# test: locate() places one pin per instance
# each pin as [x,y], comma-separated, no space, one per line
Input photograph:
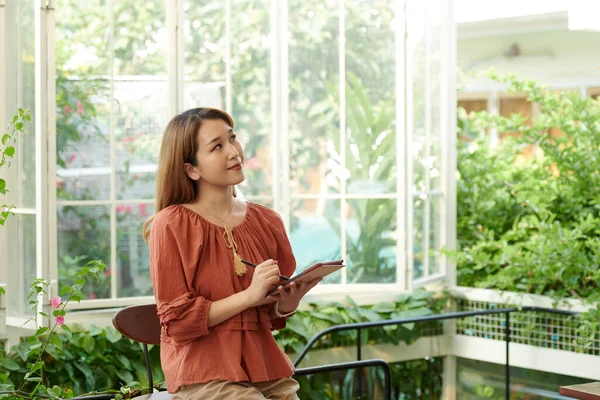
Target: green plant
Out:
[528,209]
[530,224]
[92,360]
[370,149]
[101,359]
[46,341]
[7,153]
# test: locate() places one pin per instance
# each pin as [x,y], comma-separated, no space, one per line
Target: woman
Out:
[216,319]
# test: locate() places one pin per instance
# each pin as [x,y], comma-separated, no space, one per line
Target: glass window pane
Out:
[84,235]
[426,104]
[132,252]
[435,233]
[140,94]
[20,92]
[20,257]
[416,50]
[251,97]
[314,134]
[204,47]
[419,250]
[434,136]
[370,96]
[371,241]
[315,232]
[83,104]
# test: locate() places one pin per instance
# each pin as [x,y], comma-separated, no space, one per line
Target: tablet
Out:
[318,270]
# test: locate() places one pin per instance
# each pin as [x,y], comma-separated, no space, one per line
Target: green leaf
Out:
[65,290]
[88,343]
[421,294]
[125,361]
[90,380]
[384,307]
[369,315]
[125,376]
[40,331]
[10,151]
[10,364]
[94,330]
[401,298]
[56,341]
[37,366]
[112,335]
[56,391]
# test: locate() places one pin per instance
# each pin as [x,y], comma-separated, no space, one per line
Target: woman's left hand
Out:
[290,299]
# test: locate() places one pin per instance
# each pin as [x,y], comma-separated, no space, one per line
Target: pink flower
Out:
[59,184]
[72,158]
[60,320]
[107,272]
[55,302]
[128,139]
[79,107]
[124,209]
[135,177]
[67,110]
[142,210]
[253,164]
[92,296]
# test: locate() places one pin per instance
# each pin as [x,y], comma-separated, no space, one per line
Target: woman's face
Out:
[220,157]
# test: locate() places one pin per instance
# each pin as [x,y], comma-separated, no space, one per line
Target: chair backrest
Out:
[139,323]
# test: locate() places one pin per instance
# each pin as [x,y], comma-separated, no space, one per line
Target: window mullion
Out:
[408,152]
[448,133]
[3,270]
[401,154]
[427,137]
[342,105]
[279,108]
[174,10]
[45,104]
[228,81]
[113,153]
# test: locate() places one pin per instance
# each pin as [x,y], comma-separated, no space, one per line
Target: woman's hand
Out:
[266,275]
[290,299]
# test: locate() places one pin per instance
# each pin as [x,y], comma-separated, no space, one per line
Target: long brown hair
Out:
[179,146]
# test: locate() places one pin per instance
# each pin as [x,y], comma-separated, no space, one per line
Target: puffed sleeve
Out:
[183,315]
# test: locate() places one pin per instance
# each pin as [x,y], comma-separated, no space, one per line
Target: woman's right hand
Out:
[266,275]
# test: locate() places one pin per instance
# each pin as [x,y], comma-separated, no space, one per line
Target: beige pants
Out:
[280,389]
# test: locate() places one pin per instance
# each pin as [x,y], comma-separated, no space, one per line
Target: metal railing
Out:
[430,318]
[354,365]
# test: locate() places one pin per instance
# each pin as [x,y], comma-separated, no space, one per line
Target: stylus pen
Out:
[254,266]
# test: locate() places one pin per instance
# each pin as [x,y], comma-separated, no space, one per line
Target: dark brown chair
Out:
[585,391]
[140,323]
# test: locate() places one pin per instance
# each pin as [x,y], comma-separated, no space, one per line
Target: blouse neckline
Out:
[248,204]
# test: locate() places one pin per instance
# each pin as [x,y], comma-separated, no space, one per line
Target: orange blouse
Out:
[190,267]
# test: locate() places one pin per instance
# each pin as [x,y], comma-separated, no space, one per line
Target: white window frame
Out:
[46,202]
[45,151]
[44,122]
[3,270]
